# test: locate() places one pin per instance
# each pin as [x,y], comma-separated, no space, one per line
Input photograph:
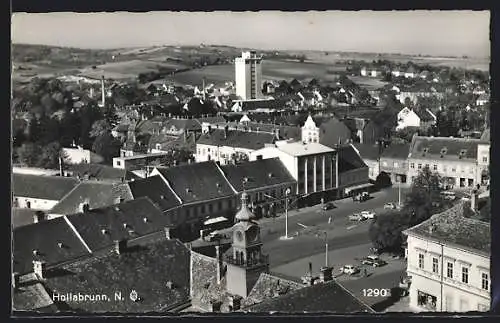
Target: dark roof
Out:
[42,187]
[100,172]
[449,148]
[322,297]
[267,286]
[349,159]
[261,104]
[368,151]
[211,120]
[21,216]
[397,151]
[333,131]
[145,269]
[355,124]
[424,114]
[287,132]
[30,295]
[167,142]
[452,227]
[44,237]
[236,138]
[183,124]
[258,174]
[157,190]
[113,219]
[197,182]
[96,194]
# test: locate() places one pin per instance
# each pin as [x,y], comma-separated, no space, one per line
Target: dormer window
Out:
[188,190]
[104,231]
[443,152]
[145,220]
[125,225]
[35,252]
[270,175]
[462,153]
[60,244]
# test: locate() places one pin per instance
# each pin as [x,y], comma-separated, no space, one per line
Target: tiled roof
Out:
[236,138]
[261,104]
[322,297]
[183,124]
[333,131]
[288,132]
[145,269]
[157,190]
[211,120]
[349,159]
[44,237]
[452,227]
[267,287]
[368,151]
[30,295]
[42,187]
[197,182]
[96,194]
[22,216]
[424,114]
[123,221]
[258,174]
[396,151]
[449,148]
[100,172]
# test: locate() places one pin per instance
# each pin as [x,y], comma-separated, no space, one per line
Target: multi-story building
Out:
[370,154]
[394,162]
[248,70]
[459,161]
[449,263]
[422,118]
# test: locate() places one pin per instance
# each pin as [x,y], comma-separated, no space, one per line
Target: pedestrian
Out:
[329,220]
[365,272]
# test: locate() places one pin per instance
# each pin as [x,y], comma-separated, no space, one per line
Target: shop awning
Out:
[358,187]
[215,220]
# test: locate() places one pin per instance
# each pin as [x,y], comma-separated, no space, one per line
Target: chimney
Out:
[235,302]
[168,233]
[325,274]
[15,280]
[119,200]
[120,246]
[84,207]
[308,279]
[103,92]
[218,256]
[40,268]
[39,216]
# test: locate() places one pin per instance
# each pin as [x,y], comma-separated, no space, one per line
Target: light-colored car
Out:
[356,217]
[389,206]
[373,260]
[350,269]
[368,214]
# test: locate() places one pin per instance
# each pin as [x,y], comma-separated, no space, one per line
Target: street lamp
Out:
[286,237]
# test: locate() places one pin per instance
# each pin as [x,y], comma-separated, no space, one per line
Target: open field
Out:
[369,83]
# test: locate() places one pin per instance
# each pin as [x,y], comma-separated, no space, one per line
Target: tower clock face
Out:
[239,236]
[253,234]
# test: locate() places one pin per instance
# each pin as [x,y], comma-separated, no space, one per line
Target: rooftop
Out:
[236,138]
[396,151]
[96,194]
[197,182]
[42,187]
[453,228]
[257,174]
[299,149]
[22,216]
[349,159]
[157,190]
[30,295]
[448,148]
[368,151]
[100,172]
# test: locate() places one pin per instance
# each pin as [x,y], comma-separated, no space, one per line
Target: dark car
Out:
[374,261]
[328,206]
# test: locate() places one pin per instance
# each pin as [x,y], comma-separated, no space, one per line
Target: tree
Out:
[110,116]
[99,128]
[28,154]
[383,180]
[106,146]
[50,154]
[386,231]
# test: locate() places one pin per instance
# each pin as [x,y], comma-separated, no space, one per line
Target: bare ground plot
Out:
[368,83]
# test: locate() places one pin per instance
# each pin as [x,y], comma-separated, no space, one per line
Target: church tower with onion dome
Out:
[246,261]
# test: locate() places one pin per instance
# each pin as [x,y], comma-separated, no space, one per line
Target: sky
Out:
[435,33]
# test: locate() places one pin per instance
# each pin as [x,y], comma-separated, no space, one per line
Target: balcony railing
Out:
[250,263]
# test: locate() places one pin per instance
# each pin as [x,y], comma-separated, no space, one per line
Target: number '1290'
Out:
[376,292]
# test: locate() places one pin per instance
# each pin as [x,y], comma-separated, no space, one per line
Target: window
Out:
[419,166]
[453,169]
[202,209]
[426,301]
[435,265]
[420,261]
[210,208]
[465,275]
[427,165]
[449,270]
[396,164]
[158,146]
[219,205]
[118,163]
[28,204]
[412,165]
[434,167]
[485,159]
[485,282]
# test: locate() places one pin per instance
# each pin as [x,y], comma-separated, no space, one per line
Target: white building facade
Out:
[248,70]
[310,132]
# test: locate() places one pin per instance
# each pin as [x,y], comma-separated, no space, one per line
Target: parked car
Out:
[328,206]
[389,206]
[356,217]
[374,261]
[368,214]
[349,269]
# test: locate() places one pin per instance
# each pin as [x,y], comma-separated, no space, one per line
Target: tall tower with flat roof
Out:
[248,69]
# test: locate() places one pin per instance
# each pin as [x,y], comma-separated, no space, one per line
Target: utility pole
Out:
[399,193]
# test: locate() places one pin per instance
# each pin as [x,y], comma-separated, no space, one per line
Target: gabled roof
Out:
[22,216]
[452,227]
[42,187]
[123,221]
[31,295]
[96,194]
[146,269]
[197,182]
[349,159]
[44,238]
[333,131]
[257,174]
[424,114]
[328,297]
[266,287]
[183,124]
[368,151]
[100,172]
[237,139]
[156,190]
[396,151]
[450,148]
[211,120]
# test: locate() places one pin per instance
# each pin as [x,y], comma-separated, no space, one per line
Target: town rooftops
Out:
[42,187]
[425,114]
[349,159]
[182,125]
[31,296]
[284,131]
[22,216]
[327,297]
[300,149]
[158,272]
[99,228]
[197,182]
[368,151]
[235,138]
[142,156]
[100,172]
[40,241]
[259,104]
[443,148]
[95,194]
[396,151]
[452,228]
[157,190]
[257,174]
